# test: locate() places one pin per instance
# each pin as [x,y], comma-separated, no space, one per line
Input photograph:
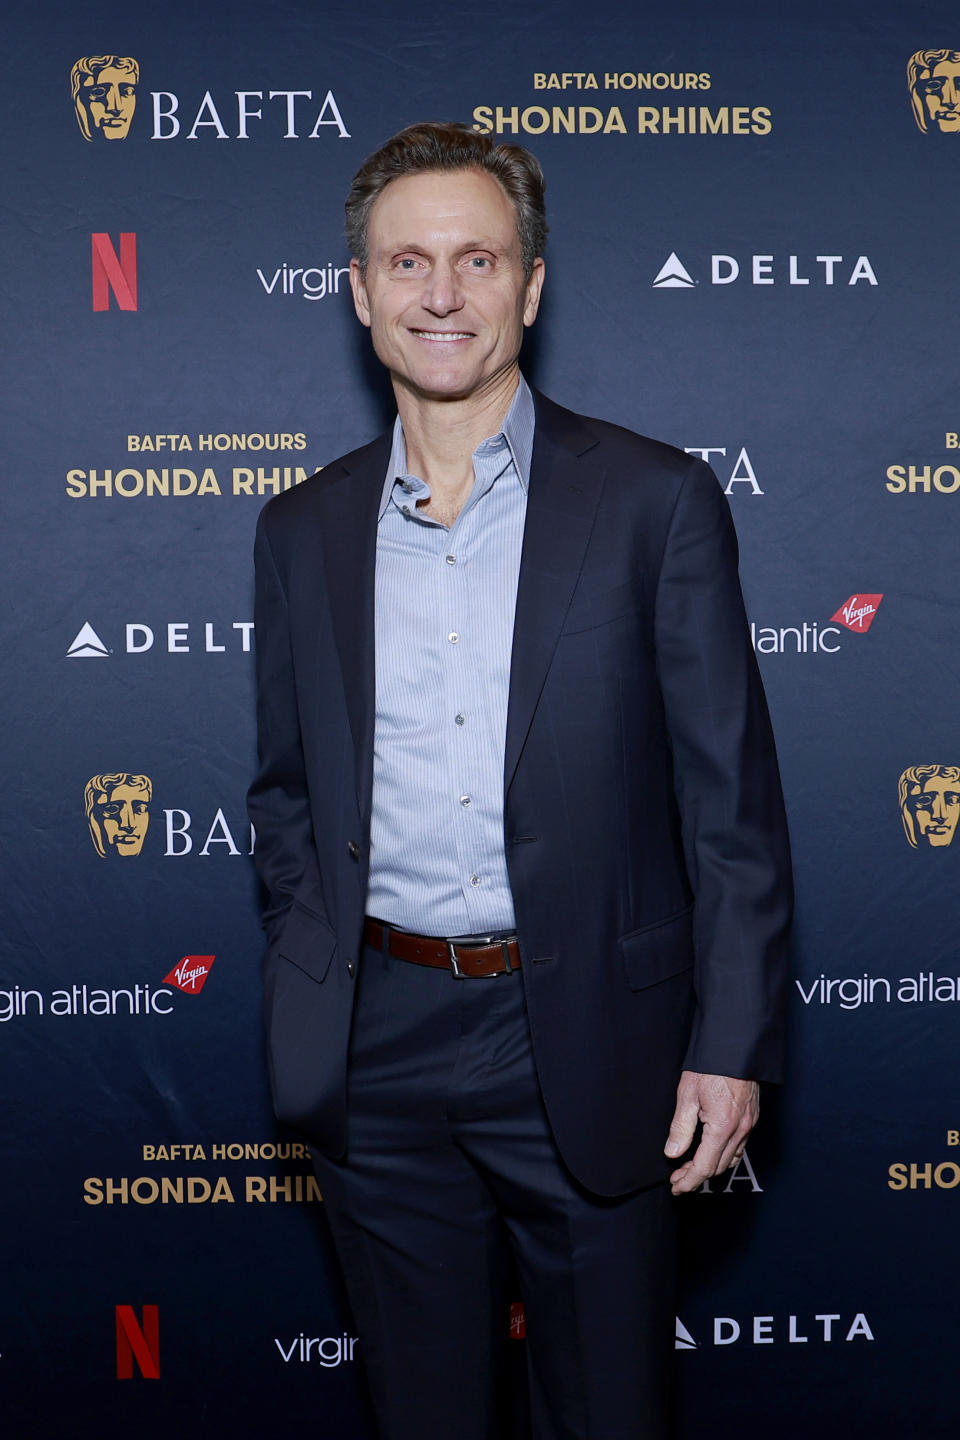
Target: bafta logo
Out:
[934,80]
[930,804]
[104,90]
[118,812]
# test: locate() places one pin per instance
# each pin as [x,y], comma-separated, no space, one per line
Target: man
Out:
[508,712]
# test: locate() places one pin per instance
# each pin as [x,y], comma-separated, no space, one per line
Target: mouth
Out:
[442,337]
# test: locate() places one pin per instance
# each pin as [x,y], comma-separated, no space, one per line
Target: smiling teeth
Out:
[443,335]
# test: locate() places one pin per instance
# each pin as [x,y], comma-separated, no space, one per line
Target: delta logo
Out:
[177,637]
[822,1329]
[857,613]
[190,975]
[104,90]
[819,270]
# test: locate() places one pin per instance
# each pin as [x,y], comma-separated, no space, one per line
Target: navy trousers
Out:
[451,1193]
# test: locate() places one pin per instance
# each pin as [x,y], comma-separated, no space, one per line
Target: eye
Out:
[479,262]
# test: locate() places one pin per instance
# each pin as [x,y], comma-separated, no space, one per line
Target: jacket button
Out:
[354,849]
[350,968]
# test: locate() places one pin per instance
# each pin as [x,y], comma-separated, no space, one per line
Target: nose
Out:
[126,816]
[442,293]
[938,809]
[113,100]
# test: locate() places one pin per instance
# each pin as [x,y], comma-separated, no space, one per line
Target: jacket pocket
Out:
[589,612]
[307,942]
[658,951]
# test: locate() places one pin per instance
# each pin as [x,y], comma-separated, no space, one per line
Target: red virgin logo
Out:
[191,974]
[857,613]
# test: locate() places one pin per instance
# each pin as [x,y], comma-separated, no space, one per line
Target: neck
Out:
[441,435]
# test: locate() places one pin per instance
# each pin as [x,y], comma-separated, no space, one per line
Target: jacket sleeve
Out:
[277,801]
[727,785]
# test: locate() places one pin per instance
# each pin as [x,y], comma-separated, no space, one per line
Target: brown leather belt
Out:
[467,960]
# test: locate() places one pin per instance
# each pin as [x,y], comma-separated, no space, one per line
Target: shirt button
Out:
[451,559]
[453,637]
[458,719]
[406,509]
[464,801]
[474,880]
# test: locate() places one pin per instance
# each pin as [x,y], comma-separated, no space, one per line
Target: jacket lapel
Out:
[565,485]
[348,535]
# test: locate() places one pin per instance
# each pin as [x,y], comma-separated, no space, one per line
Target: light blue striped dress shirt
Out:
[445,602]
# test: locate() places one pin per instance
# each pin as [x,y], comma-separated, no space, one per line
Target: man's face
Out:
[940,90]
[444,294]
[110,99]
[123,816]
[935,806]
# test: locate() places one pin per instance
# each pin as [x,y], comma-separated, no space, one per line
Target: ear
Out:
[360,302]
[531,302]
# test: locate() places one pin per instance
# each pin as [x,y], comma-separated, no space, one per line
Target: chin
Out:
[446,386]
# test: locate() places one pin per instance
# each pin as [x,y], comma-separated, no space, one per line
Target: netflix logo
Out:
[112,273]
[138,1341]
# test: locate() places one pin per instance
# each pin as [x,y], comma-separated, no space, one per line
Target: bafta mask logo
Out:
[930,804]
[104,90]
[934,80]
[118,812]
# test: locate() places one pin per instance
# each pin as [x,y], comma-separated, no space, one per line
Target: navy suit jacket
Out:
[643,820]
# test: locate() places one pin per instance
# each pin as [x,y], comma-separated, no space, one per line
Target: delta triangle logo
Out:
[685,1340]
[190,975]
[857,613]
[87,645]
[673,275]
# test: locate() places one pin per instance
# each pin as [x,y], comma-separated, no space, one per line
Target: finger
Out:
[683,1126]
[702,1166]
[732,1152]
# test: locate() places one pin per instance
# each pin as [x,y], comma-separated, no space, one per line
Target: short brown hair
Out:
[450,146]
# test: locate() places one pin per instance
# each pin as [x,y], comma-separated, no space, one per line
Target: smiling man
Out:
[519,822]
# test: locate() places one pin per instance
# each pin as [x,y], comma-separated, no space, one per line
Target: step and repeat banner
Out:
[754,214]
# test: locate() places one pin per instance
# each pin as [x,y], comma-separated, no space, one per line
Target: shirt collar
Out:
[517,431]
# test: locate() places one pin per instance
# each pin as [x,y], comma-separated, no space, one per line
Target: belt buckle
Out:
[478,942]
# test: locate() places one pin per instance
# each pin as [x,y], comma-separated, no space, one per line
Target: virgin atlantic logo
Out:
[858,613]
[190,975]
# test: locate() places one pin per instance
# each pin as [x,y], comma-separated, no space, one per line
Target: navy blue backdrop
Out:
[751,256]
